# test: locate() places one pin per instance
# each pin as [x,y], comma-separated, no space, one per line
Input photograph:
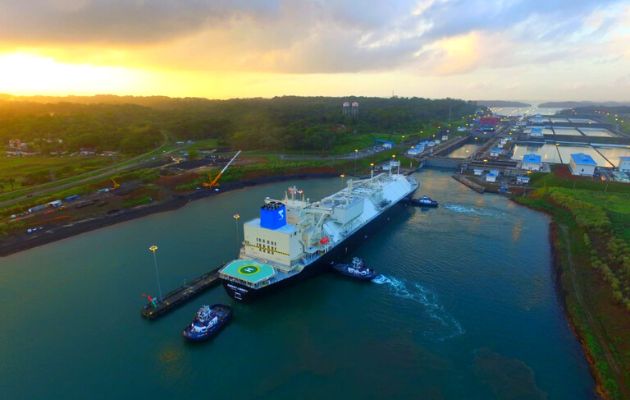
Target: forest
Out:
[136,124]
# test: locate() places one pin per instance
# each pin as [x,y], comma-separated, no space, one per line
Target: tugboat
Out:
[424,201]
[208,321]
[356,270]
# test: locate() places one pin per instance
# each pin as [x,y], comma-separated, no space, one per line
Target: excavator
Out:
[215,182]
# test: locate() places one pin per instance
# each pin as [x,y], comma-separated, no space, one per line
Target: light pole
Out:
[356,155]
[236,217]
[394,158]
[153,249]
[371,170]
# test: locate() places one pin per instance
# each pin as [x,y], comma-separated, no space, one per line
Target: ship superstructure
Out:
[294,235]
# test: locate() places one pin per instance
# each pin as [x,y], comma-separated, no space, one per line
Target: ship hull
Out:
[245,294]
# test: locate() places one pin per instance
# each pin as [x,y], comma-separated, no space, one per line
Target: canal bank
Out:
[601,325]
[466,308]
[24,242]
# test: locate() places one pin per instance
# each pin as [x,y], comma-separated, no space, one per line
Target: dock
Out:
[474,186]
[182,294]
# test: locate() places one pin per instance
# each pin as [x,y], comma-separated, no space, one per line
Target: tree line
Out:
[135,124]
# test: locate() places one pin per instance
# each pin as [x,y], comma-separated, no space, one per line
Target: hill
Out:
[576,104]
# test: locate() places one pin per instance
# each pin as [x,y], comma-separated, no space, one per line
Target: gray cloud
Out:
[121,21]
[296,36]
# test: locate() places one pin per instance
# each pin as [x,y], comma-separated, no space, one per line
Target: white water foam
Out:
[458,208]
[427,298]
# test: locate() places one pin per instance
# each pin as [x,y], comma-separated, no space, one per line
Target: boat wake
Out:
[458,208]
[419,294]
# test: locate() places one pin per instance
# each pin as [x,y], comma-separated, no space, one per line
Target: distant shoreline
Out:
[502,103]
[17,244]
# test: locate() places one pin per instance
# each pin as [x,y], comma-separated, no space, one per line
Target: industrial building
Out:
[582,164]
[488,124]
[492,176]
[536,131]
[532,162]
[495,152]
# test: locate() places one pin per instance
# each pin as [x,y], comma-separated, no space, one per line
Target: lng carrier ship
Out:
[294,237]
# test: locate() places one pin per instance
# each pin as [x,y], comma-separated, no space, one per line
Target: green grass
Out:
[623,121]
[205,144]
[134,202]
[351,141]
[616,202]
[541,180]
[616,205]
[27,171]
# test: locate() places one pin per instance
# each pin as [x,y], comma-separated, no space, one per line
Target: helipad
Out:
[248,270]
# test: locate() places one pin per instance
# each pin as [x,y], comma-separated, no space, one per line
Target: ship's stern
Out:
[243,279]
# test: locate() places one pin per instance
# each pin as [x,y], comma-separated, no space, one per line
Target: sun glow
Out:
[25,73]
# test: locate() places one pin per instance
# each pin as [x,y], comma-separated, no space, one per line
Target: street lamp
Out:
[356,155]
[153,249]
[371,170]
[236,217]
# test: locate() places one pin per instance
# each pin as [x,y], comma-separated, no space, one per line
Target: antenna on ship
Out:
[153,249]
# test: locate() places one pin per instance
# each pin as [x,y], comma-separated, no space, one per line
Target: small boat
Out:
[424,201]
[357,270]
[208,321]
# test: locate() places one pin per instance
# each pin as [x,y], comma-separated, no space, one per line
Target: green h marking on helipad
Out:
[248,270]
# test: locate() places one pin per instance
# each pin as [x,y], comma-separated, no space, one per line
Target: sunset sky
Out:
[478,49]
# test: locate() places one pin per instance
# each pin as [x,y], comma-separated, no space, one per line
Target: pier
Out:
[182,294]
[474,186]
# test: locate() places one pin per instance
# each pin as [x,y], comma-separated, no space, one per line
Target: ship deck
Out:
[249,270]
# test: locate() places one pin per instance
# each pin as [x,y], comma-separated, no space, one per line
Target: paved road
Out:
[91,176]
[348,156]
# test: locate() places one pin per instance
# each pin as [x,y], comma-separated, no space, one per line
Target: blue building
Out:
[532,162]
[582,164]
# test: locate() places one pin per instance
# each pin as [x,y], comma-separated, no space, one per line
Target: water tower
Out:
[355,109]
[346,108]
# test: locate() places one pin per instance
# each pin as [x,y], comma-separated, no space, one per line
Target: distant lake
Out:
[518,111]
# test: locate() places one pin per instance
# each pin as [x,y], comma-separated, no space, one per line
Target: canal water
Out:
[464,151]
[465,309]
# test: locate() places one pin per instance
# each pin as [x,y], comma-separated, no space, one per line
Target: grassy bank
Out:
[592,255]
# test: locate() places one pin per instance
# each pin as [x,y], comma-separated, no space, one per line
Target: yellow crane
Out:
[215,181]
[115,185]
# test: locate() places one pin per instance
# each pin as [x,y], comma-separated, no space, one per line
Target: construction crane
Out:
[115,185]
[215,181]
